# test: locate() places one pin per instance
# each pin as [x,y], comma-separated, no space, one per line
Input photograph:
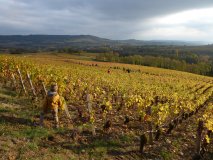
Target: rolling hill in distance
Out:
[81,41]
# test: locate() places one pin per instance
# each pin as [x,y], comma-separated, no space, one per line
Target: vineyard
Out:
[131,112]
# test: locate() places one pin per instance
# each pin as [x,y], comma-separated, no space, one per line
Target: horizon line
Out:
[177,40]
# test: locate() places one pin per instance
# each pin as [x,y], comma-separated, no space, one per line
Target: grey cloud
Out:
[121,9]
[117,19]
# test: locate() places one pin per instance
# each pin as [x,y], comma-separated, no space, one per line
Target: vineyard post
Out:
[21,80]
[89,104]
[44,88]
[199,136]
[143,141]
[149,112]
[31,85]
[89,107]
[14,81]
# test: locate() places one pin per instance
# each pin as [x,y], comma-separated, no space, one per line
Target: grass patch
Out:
[26,132]
[176,144]
[30,113]
[57,158]
[98,147]
[104,143]
[35,133]
[5,110]
[166,155]
[126,138]
[8,92]
[33,146]
[97,153]
[4,147]
[2,122]
[61,130]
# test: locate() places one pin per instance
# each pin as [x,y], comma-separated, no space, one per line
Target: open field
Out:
[121,96]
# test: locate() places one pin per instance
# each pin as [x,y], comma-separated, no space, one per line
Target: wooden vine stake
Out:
[89,108]
[67,111]
[31,85]
[14,81]
[143,141]
[89,104]
[149,113]
[44,88]
[199,136]
[21,81]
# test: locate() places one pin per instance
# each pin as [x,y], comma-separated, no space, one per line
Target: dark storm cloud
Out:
[120,9]
[117,19]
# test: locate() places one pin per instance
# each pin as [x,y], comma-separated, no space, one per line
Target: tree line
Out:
[183,62]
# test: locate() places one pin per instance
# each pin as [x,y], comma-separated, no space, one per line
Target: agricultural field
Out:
[118,111]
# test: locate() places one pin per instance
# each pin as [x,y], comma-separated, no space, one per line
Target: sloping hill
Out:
[55,41]
[48,41]
[121,95]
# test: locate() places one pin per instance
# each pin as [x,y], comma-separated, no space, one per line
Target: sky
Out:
[189,20]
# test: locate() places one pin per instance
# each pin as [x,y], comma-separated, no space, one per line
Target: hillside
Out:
[60,41]
[110,107]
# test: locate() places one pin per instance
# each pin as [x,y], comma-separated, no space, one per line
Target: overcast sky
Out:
[114,19]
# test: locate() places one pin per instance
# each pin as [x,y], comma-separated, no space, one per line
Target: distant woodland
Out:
[197,60]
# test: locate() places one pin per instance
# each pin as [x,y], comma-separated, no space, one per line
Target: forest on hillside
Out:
[196,59]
